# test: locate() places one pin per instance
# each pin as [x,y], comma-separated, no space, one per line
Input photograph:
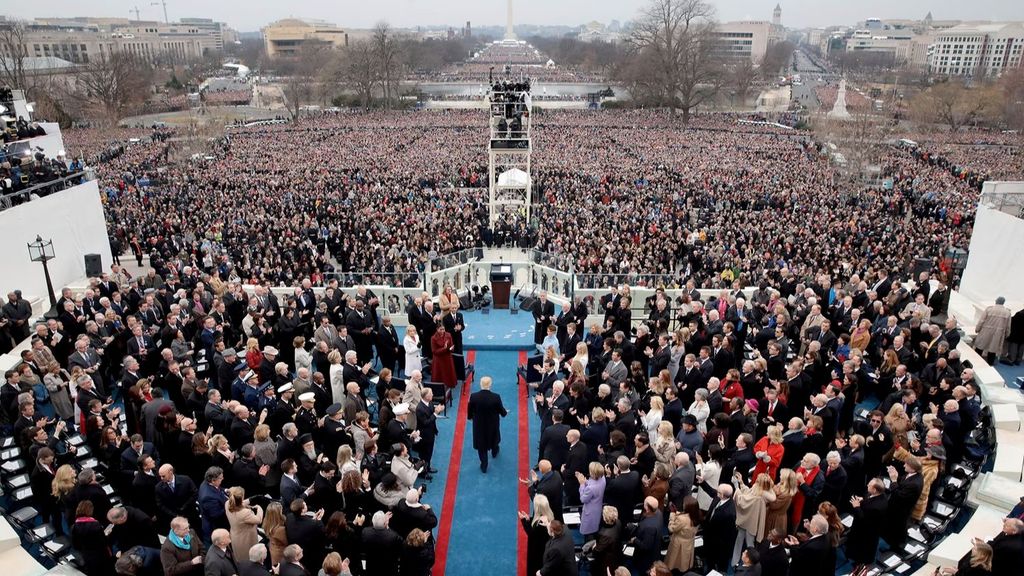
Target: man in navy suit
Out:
[131,454]
[212,499]
[291,488]
[486,410]
[426,424]
[175,496]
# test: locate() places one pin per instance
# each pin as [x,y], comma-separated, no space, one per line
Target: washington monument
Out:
[509,32]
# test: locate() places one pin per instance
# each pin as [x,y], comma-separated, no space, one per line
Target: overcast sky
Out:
[249,15]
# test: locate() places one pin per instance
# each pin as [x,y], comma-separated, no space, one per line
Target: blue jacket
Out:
[211,507]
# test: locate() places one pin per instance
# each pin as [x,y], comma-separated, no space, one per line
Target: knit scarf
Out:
[183,543]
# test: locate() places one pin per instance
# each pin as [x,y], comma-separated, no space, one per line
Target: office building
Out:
[987,49]
[286,37]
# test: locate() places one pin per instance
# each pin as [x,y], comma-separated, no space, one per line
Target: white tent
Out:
[514,178]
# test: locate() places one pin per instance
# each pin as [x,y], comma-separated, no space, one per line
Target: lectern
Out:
[501,285]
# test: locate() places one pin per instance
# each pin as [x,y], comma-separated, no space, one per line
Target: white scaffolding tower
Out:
[509,178]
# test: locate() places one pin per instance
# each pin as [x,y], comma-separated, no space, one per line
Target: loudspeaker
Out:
[527,303]
[93,265]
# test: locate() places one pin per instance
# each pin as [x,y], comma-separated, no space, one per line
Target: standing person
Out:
[536,529]
[413,349]
[682,525]
[559,554]
[1015,340]
[592,497]
[868,520]
[486,410]
[543,311]
[89,540]
[243,518]
[993,327]
[442,367]
[426,424]
[455,325]
[904,495]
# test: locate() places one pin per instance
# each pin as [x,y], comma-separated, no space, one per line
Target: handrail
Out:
[8,200]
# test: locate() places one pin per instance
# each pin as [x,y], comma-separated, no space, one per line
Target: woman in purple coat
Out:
[592,496]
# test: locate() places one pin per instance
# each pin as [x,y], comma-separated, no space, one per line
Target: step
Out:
[995,491]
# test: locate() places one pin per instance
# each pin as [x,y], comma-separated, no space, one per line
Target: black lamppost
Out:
[40,251]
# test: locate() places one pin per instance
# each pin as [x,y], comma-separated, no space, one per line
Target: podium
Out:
[501,285]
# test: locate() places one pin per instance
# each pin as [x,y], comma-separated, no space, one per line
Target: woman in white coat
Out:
[413,347]
[336,376]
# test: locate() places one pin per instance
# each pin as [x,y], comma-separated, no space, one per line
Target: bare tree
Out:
[741,74]
[13,56]
[387,54]
[954,104]
[113,86]
[359,70]
[679,36]
[302,73]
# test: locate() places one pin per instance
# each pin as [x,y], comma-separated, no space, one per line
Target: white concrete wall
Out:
[73,219]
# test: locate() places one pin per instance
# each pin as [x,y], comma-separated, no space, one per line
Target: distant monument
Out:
[777,15]
[509,32]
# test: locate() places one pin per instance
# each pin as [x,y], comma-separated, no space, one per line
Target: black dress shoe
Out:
[432,470]
[483,467]
[494,453]
[427,477]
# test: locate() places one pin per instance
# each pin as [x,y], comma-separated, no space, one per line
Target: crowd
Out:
[212,413]
[743,429]
[719,200]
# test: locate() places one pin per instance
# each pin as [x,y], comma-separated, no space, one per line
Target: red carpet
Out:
[452,482]
[524,465]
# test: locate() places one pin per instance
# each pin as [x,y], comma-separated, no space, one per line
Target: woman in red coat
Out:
[768,451]
[442,367]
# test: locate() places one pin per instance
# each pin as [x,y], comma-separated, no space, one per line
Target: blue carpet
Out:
[485,524]
[1010,374]
[498,330]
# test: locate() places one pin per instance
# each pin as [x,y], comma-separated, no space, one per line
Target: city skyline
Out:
[251,15]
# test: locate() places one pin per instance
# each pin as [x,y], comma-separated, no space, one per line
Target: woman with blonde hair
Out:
[677,351]
[413,350]
[346,461]
[751,511]
[448,299]
[652,418]
[576,373]
[592,496]
[253,355]
[582,355]
[243,518]
[769,451]
[273,527]
[221,452]
[777,511]
[63,483]
[536,530]
[897,419]
[664,443]
[336,376]
[976,563]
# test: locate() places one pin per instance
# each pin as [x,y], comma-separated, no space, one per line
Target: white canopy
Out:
[514,177]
